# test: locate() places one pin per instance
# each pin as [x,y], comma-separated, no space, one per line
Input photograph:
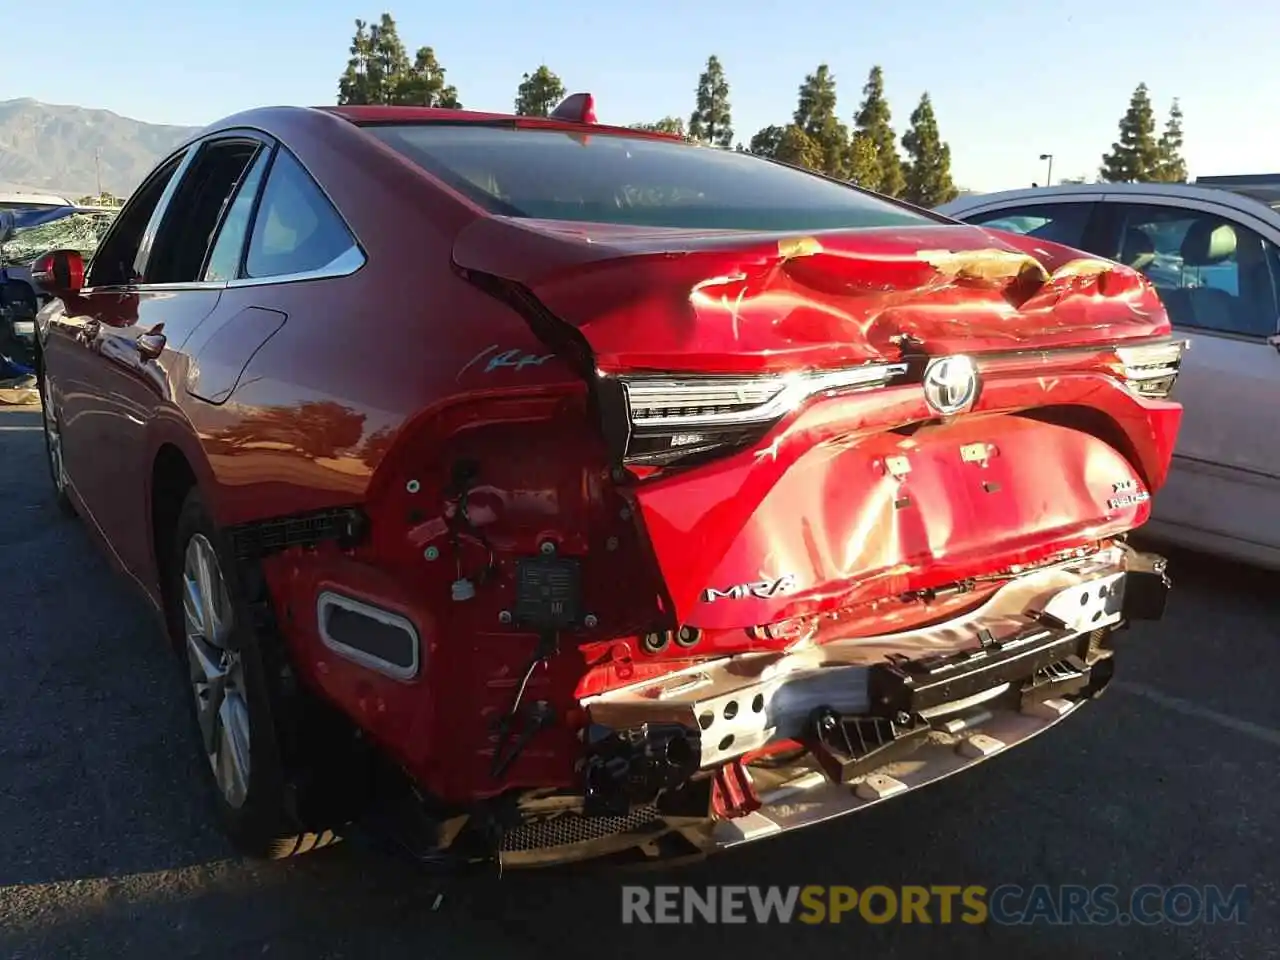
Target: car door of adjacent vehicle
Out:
[1070,219]
[141,329]
[1218,273]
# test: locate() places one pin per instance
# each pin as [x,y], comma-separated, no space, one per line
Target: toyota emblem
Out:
[950,384]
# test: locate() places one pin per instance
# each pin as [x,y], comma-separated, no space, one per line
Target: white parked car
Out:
[1214,257]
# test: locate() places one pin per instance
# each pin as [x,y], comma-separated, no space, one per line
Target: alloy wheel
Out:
[216,670]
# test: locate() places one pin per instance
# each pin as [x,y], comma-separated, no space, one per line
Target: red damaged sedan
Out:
[533,490]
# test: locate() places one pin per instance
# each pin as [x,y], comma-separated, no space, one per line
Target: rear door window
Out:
[613,178]
[1065,223]
[1212,272]
[204,196]
[228,249]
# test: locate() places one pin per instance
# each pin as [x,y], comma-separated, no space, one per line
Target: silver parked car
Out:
[1214,257]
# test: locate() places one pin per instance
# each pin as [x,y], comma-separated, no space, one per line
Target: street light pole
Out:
[1048,177]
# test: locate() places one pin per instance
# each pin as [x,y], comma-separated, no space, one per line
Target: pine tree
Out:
[377,63]
[765,142]
[928,171]
[817,101]
[873,120]
[379,70]
[423,84]
[711,121]
[539,93]
[1135,157]
[665,125]
[799,148]
[1172,168]
[862,166]
[816,117]
[355,86]
[389,58]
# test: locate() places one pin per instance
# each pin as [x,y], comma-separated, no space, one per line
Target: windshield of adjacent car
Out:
[74,231]
[612,178]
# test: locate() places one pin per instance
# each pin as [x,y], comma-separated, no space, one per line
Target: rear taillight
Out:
[1150,370]
[672,419]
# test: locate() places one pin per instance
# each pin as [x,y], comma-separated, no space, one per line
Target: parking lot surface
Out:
[105,849]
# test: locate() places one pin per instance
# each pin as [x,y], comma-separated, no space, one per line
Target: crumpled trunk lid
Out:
[727,302]
[862,498]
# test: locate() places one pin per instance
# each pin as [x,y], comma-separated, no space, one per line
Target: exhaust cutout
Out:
[370,636]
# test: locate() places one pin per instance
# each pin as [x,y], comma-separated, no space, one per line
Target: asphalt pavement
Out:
[106,849]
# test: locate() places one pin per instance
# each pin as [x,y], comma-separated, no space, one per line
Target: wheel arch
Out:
[177,466]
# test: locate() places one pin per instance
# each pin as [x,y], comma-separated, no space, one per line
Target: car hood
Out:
[38,216]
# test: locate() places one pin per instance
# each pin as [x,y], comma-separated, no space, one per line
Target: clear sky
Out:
[1009,80]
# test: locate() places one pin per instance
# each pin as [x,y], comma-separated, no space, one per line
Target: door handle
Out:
[151,344]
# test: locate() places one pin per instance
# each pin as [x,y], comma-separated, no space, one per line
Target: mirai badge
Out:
[760,589]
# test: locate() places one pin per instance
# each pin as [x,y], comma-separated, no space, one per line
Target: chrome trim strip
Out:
[344,265]
[328,598]
[160,287]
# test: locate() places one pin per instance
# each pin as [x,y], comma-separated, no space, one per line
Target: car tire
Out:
[52,424]
[222,660]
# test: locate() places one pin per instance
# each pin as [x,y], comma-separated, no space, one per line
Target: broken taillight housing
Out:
[1151,369]
[674,419]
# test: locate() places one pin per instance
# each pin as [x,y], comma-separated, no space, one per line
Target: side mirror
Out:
[59,272]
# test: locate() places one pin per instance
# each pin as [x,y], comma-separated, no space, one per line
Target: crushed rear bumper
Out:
[874,718]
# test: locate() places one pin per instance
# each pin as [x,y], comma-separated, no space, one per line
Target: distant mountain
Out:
[51,148]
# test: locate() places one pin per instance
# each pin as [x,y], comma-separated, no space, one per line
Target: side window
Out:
[198,205]
[113,263]
[1063,223]
[224,260]
[296,229]
[1212,273]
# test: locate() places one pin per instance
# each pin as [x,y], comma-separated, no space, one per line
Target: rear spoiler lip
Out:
[488,244]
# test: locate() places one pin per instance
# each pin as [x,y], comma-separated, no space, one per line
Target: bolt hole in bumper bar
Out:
[876,716]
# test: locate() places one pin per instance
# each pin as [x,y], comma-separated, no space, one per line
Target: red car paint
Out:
[363,390]
[665,300]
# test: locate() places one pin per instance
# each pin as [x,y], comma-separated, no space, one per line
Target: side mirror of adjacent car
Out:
[59,272]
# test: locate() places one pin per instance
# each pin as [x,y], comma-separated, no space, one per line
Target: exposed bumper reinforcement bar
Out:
[877,716]
[739,704]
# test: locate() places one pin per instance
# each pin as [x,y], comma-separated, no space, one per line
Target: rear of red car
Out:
[832,495]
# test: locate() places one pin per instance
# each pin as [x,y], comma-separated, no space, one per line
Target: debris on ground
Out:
[17,391]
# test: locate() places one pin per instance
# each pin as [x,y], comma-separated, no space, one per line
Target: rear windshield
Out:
[609,178]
